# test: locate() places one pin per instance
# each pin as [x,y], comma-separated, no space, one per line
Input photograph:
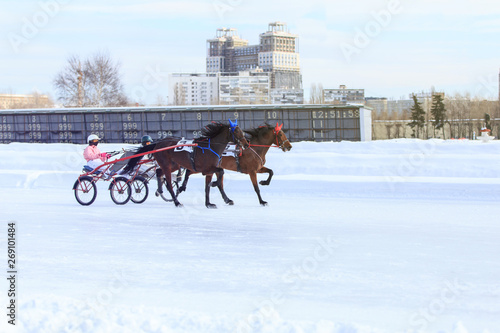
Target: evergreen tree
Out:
[438,112]
[487,121]
[417,117]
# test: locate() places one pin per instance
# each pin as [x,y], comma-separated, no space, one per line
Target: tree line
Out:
[431,115]
[456,116]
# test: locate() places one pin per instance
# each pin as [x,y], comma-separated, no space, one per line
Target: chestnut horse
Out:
[252,160]
[204,158]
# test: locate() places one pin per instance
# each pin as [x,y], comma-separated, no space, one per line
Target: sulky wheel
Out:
[119,189]
[140,190]
[85,190]
[176,183]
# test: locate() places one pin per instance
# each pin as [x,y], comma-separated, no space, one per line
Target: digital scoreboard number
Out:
[120,125]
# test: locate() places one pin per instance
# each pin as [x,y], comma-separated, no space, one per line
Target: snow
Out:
[382,236]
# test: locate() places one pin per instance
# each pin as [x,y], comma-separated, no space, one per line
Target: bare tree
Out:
[106,88]
[321,96]
[160,100]
[316,94]
[313,94]
[91,82]
[71,83]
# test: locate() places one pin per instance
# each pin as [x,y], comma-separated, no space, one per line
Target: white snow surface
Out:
[358,237]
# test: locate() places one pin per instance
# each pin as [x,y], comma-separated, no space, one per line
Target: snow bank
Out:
[401,160]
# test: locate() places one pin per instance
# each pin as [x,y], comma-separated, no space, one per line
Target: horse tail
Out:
[133,161]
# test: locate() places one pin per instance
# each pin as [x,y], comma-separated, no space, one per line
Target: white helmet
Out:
[92,137]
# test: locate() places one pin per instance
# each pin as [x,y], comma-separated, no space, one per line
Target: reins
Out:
[274,145]
[261,160]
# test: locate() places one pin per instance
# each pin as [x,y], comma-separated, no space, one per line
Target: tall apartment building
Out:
[193,88]
[276,54]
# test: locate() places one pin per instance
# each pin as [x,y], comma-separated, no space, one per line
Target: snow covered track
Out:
[387,236]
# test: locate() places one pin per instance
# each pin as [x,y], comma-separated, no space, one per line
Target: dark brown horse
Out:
[204,158]
[252,160]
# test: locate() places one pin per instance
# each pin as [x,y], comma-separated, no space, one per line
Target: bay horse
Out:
[204,158]
[252,160]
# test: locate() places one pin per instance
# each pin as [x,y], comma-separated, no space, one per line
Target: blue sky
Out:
[389,48]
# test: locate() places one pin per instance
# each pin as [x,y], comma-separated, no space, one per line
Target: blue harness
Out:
[232,126]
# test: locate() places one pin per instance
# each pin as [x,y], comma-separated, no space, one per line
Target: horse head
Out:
[238,135]
[281,139]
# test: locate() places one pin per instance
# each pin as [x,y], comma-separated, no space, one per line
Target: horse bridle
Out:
[235,139]
[277,130]
[232,129]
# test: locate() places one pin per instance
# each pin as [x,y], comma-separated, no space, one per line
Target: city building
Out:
[378,104]
[244,87]
[15,101]
[287,96]
[381,105]
[193,88]
[343,96]
[276,54]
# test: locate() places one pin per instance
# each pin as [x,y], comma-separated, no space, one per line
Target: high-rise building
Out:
[239,73]
[277,53]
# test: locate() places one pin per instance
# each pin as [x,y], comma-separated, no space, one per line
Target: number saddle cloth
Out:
[231,149]
[181,143]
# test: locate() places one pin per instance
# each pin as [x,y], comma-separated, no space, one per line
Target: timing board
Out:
[128,125]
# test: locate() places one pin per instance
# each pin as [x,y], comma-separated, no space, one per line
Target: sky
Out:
[390,48]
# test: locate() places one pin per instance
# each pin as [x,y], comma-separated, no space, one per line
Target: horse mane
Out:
[212,130]
[258,131]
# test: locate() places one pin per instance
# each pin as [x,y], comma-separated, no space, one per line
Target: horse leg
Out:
[268,180]
[168,178]
[208,181]
[179,175]
[220,185]
[186,178]
[253,178]
[159,173]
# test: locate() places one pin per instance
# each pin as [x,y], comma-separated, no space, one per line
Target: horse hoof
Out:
[263,183]
[230,202]
[263,203]
[213,184]
[178,204]
[211,206]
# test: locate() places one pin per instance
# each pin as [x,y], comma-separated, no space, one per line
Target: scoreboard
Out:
[128,125]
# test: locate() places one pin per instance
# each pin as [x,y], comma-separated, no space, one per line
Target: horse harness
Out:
[262,161]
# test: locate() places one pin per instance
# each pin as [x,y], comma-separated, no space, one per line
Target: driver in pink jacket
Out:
[92,154]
